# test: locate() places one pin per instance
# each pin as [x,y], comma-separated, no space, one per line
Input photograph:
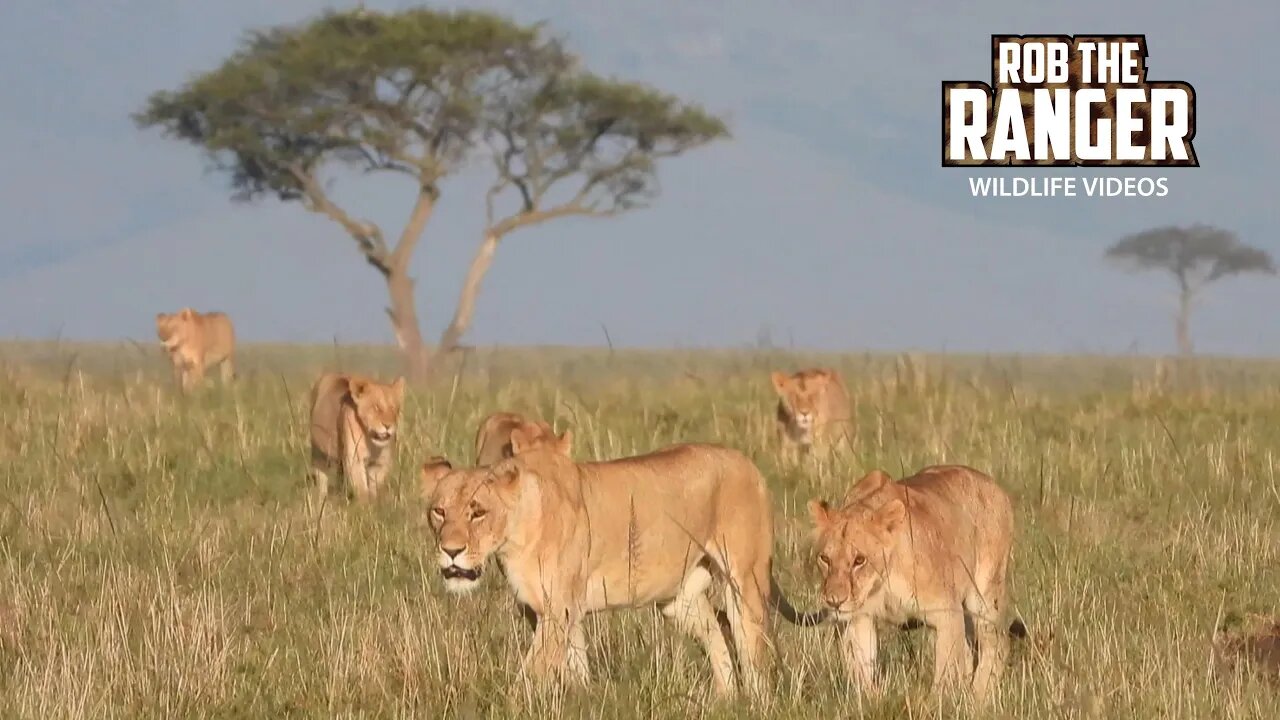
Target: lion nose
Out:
[453,552]
[833,601]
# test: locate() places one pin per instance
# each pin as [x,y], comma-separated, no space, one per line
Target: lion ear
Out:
[565,443]
[398,388]
[187,313]
[781,381]
[521,439]
[820,511]
[504,475]
[870,484]
[891,516]
[433,471]
[356,387]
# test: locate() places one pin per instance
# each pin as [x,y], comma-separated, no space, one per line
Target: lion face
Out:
[855,547]
[468,512]
[377,407]
[800,395]
[170,327]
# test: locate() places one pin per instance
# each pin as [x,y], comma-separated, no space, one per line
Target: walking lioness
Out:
[353,430]
[932,547]
[501,434]
[575,538]
[196,341]
[814,410]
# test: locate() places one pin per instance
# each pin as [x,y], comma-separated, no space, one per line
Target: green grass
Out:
[158,559]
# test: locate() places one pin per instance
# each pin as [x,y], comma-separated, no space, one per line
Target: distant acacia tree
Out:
[1195,256]
[418,93]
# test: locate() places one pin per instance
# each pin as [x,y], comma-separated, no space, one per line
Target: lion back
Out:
[328,397]
[836,408]
[217,335]
[493,437]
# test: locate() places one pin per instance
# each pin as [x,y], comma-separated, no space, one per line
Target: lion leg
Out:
[357,479]
[195,370]
[548,655]
[952,656]
[859,647]
[987,606]
[692,612]
[179,374]
[746,604]
[377,476]
[576,653]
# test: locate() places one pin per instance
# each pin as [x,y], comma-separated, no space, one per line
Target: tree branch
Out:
[367,235]
[536,217]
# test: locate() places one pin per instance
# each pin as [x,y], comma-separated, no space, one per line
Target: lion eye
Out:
[859,560]
[477,514]
[824,560]
[437,513]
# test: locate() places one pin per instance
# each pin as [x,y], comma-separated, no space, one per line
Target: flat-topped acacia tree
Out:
[418,93]
[1195,256]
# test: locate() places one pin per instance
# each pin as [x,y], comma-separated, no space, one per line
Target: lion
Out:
[933,547]
[814,410]
[353,430]
[576,538]
[496,438]
[196,341]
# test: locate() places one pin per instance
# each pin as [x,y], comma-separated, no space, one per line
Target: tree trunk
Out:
[1182,323]
[403,311]
[470,289]
[404,321]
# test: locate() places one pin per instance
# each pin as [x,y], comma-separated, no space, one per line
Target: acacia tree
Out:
[411,93]
[1196,256]
[577,145]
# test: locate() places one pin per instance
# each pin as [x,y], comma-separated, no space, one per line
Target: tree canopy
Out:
[419,93]
[1197,255]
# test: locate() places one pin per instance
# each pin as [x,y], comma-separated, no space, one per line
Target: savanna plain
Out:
[159,558]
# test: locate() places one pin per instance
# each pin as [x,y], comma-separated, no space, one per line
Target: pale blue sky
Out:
[827,218]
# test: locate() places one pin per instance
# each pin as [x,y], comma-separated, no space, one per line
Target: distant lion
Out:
[196,341]
[353,431]
[497,437]
[575,538]
[814,410]
[933,547]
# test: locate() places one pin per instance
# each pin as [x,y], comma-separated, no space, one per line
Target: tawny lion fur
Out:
[196,341]
[933,547]
[575,538]
[814,410]
[495,442]
[353,431]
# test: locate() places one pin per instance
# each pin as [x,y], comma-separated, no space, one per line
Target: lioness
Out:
[496,438]
[353,429]
[814,410]
[575,538]
[932,547]
[196,341]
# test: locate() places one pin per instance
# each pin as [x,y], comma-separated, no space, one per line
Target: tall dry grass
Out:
[158,558]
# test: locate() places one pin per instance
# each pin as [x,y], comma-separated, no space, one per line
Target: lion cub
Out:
[932,547]
[497,437]
[813,410]
[353,429]
[196,341]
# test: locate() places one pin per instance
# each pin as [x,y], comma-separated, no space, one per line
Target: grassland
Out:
[158,559]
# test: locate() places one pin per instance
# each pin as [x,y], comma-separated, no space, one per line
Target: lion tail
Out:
[788,611]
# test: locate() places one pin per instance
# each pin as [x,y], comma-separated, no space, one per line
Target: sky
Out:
[826,221]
